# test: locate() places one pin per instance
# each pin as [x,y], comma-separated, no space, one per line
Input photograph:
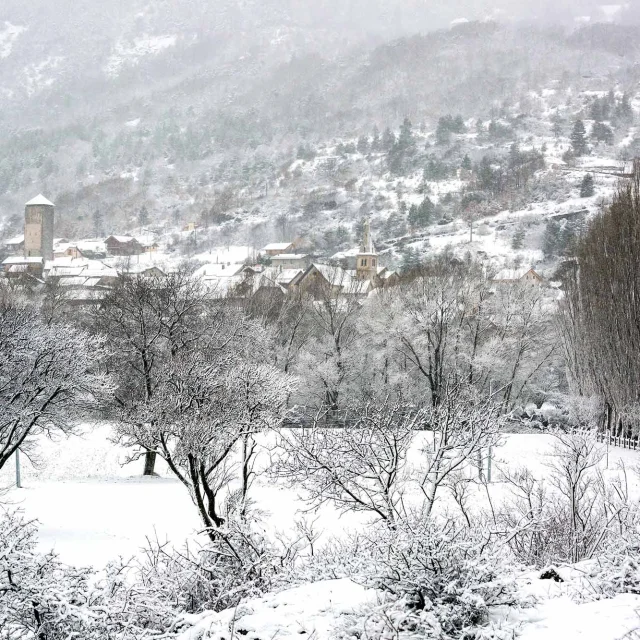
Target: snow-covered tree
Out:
[579,139]
[361,466]
[208,400]
[147,319]
[50,378]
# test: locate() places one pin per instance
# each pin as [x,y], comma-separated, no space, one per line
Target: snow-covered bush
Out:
[448,576]
[435,580]
[575,513]
[237,565]
[45,599]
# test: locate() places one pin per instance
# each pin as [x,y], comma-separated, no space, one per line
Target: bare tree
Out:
[333,308]
[209,399]
[361,466]
[147,320]
[50,378]
[601,310]
[463,427]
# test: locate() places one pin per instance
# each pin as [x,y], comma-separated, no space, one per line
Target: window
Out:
[373,262]
[363,262]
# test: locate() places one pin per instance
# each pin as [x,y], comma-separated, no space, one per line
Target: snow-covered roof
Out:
[12,241]
[72,281]
[67,267]
[287,275]
[218,270]
[40,200]
[514,274]
[96,246]
[138,268]
[23,260]
[289,256]
[277,246]
[122,239]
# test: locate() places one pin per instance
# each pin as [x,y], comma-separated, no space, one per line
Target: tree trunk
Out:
[149,464]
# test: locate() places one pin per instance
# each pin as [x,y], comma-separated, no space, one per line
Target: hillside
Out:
[222,117]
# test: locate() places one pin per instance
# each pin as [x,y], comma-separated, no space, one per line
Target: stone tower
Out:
[38,228]
[367,258]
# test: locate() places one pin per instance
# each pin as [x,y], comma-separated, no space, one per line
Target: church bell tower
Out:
[367,258]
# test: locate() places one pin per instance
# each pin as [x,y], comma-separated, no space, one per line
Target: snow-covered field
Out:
[92,507]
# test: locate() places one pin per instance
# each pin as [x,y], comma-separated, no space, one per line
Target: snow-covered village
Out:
[319,320]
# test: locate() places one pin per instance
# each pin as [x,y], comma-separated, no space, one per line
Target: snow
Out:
[36,78]
[230,254]
[8,36]
[120,508]
[131,53]
[602,620]
[610,11]
[92,506]
[311,611]
[40,200]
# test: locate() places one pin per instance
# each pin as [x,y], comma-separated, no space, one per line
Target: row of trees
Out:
[601,310]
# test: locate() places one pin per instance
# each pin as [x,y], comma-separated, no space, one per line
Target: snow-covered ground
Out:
[93,507]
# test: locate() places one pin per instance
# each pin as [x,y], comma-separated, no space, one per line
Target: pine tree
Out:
[551,239]
[421,215]
[466,162]
[624,110]
[98,222]
[602,133]
[363,145]
[517,242]
[443,132]
[410,260]
[406,139]
[458,125]
[579,139]
[375,139]
[388,139]
[587,187]
[567,240]
[143,216]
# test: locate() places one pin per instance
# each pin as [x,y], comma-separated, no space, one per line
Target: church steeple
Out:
[367,258]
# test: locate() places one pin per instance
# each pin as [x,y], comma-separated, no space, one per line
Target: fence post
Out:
[18,478]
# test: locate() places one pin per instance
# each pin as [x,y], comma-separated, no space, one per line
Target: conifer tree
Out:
[388,139]
[587,187]
[375,139]
[363,145]
[517,241]
[579,139]
[406,139]
[602,133]
[421,215]
[551,239]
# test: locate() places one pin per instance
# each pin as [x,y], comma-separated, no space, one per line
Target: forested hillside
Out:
[155,117]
